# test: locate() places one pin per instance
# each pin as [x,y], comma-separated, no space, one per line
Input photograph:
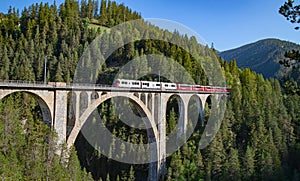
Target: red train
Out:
[167,86]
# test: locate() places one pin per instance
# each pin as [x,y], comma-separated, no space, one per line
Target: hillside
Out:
[261,56]
[259,138]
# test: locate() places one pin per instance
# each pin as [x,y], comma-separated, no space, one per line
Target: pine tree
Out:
[234,165]
[216,156]
[248,168]
[176,165]
[74,168]
[172,121]
[131,174]
[107,177]
[4,65]
[103,13]
[59,74]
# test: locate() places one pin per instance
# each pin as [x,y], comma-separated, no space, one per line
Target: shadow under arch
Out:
[176,132]
[45,106]
[207,105]
[79,126]
[195,113]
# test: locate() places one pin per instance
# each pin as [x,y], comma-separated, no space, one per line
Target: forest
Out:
[259,138]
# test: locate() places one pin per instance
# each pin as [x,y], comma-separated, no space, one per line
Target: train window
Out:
[166,85]
[172,85]
[135,83]
[146,84]
[184,85]
[157,84]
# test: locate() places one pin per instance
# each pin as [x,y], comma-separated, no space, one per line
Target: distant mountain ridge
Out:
[261,56]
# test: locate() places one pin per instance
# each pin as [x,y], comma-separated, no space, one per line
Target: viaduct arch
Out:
[83,118]
[44,99]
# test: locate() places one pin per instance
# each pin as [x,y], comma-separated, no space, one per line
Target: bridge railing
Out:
[22,82]
[88,85]
[50,84]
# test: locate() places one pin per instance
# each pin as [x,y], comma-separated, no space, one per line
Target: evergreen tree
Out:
[216,157]
[4,65]
[103,13]
[58,74]
[248,168]
[234,165]
[74,168]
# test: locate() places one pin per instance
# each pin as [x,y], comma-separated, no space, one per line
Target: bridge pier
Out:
[161,121]
[60,112]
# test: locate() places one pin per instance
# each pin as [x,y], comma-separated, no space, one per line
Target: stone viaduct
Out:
[53,101]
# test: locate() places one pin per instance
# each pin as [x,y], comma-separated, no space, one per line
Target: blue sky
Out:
[226,23]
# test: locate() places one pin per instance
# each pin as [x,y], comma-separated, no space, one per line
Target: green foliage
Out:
[291,12]
[292,57]
[258,138]
[28,148]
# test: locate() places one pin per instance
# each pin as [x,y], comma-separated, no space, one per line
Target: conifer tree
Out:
[234,165]
[248,168]
[103,13]
[4,65]
[74,168]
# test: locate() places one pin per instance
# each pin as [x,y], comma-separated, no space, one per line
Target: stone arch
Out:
[203,98]
[44,98]
[79,123]
[181,122]
[196,111]
[208,100]
[94,96]
[136,94]
[206,105]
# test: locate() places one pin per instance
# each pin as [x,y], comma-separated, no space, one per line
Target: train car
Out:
[184,87]
[116,83]
[127,83]
[209,89]
[169,86]
[219,89]
[166,86]
[222,89]
[199,88]
[150,85]
[227,89]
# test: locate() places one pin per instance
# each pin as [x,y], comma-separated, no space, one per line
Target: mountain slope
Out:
[261,56]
